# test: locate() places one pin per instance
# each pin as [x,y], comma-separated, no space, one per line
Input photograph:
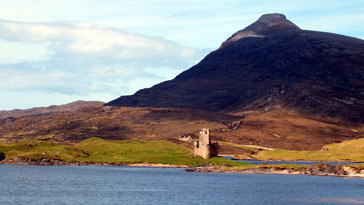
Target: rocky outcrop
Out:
[59,162]
[330,170]
[316,169]
[265,25]
[41,161]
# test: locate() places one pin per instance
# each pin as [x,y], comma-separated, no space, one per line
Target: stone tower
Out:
[203,146]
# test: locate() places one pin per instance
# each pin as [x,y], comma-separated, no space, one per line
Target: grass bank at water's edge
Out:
[96,150]
[99,151]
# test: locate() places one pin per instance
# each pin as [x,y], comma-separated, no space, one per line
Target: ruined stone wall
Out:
[203,147]
[197,151]
[205,137]
[206,151]
[214,149]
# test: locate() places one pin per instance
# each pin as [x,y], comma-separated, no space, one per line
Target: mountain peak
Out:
[275,20]
[271,64]
[272,18]
[265,25]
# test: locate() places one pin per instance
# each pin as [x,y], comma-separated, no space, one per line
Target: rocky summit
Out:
[271,64]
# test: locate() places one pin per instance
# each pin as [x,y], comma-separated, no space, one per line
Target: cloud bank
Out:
[51,54]
[83,58]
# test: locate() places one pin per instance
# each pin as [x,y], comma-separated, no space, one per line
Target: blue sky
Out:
[55,52]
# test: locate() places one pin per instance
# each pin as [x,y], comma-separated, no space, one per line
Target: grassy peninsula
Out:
[96,150]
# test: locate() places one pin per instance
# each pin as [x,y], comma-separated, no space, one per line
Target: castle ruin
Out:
[203,146]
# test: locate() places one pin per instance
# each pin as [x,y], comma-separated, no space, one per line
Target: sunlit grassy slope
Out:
[109,151]
[352,150]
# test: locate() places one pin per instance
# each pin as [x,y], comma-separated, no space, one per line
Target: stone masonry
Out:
[203,146]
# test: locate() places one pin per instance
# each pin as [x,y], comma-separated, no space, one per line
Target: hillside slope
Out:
[283,129]
[271,64]
[73,106]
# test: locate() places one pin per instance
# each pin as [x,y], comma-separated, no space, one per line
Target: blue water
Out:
[258,162]
[25,184]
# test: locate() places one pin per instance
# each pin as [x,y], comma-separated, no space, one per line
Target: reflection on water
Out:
[21,184]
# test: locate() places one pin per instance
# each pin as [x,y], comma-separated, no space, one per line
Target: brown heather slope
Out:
[278,128]
[288,129]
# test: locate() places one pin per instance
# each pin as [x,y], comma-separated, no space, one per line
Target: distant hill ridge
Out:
[270,64]
[73,106]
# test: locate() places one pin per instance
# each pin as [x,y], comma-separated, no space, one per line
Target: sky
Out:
[54,52]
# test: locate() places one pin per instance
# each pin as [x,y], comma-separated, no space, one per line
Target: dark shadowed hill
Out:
[73,106]
[270,64]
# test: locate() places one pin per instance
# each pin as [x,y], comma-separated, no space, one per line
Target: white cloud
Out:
[88,40]
[83,58]
[12,52]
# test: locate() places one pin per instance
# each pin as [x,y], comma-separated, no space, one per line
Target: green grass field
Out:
[351,150]
[96,150]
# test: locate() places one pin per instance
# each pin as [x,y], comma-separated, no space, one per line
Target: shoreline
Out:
[284,172]
[313,170]
[294,160]
[54,162]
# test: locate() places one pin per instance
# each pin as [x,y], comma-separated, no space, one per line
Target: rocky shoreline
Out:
[55,162]
[321,169]
[316,169]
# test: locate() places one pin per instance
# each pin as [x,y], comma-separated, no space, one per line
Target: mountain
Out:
[271,64]
[73,106]
[270,84]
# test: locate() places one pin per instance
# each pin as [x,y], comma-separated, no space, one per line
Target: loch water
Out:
[27,184]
